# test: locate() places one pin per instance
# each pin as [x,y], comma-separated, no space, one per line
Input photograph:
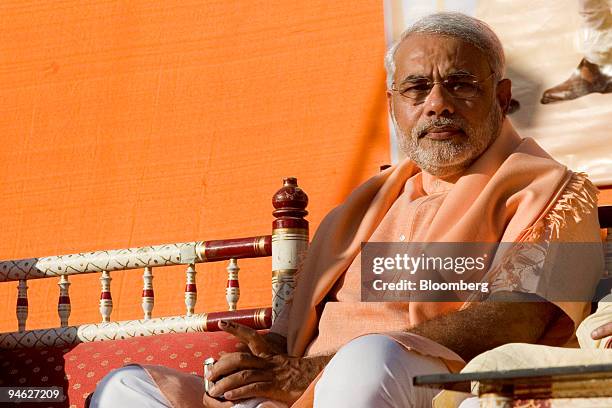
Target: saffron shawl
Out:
[506,195]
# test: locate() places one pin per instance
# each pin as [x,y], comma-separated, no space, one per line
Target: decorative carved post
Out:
[148,297]
[106,300]
[289,240]
[22,304]
[232,291]
[191,291]
[63,303]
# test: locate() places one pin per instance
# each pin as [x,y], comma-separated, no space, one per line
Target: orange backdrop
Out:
[134,123]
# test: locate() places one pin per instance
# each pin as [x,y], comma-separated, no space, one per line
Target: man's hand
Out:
[602,331]
[210,402]
[262,371]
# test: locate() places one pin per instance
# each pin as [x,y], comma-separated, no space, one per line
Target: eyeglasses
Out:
[459,86]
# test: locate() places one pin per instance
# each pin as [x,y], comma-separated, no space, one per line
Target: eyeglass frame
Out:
[442,82]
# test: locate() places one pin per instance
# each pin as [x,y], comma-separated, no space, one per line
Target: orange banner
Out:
[144,122]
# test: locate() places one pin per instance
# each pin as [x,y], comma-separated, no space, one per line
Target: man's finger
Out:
[232,362]
[602,331]
[242,347]
[258,389]
[240,379]
[254,341]
[210,402]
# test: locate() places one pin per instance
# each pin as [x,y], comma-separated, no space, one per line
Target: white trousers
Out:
[131,386]
[128,386]
[375,371]
[595,37]
[372,371]
[470,403]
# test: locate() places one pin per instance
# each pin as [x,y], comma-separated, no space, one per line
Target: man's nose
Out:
[439,102]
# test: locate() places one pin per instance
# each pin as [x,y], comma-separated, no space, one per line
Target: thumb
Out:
[602,331]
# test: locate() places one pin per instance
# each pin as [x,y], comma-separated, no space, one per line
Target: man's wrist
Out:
[316,364]
[278,341]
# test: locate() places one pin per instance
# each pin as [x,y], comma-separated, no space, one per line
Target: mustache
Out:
[422,129]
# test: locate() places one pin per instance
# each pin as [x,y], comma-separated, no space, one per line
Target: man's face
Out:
[444,132]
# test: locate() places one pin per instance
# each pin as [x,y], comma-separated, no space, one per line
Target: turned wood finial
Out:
[289,241]
[290,205]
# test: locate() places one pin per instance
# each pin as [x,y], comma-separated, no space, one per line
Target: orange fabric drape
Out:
[135,123]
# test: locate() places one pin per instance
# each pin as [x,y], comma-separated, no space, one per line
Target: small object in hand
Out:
[208,363]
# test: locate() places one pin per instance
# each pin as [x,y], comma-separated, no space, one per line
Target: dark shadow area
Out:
[528,92]
[35,368]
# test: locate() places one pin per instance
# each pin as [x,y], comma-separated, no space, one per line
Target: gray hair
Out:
[458,25]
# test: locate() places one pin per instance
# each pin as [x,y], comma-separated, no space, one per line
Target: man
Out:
[594,72]
[594,335]
[469,178]
[596,330]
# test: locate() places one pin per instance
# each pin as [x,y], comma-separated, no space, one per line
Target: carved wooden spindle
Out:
[63,303]
[232,291]
[289,240]
[191,291]
[106,300]
[148,297]
[22,304]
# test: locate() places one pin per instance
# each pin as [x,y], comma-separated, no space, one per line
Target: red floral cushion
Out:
[79,369]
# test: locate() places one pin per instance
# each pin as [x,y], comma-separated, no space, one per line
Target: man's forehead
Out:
[426,54]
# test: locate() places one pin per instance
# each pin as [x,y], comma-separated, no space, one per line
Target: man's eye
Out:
[419,87]
[461,86]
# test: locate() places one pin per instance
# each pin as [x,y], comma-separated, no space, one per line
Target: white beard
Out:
[448,157]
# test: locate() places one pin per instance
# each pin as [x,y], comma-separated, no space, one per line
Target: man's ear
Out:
[390,102]
[504,94]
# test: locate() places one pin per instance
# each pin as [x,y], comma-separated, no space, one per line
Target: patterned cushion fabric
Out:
[563,403]
[79,369]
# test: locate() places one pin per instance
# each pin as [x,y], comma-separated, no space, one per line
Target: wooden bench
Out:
[76,357]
